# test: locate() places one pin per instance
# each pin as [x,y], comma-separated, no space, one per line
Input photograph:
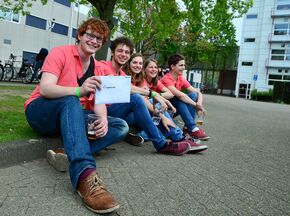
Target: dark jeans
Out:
[186,111]
[65,116]
[136,113]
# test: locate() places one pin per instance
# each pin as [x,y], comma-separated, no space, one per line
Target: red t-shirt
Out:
[179,84]
[158,88]
[65,63]
[106,67]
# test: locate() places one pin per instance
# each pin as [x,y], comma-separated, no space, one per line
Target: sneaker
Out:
[187,136]
[95,195]
[195,147]
[199,134]
[175,148]
[57,159]
[134,139]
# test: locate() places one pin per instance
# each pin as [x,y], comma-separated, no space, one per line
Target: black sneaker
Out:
[134,139]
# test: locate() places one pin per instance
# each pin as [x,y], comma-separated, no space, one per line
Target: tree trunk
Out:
[105,9]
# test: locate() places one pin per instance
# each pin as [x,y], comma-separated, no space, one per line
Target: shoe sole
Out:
[204,138]
[99,211]
[58,161]
[197,149]
[134,140]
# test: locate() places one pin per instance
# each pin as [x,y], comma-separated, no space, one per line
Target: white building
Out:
[265,47]
[46,27]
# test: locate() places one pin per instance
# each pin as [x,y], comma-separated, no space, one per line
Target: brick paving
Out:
[245,171]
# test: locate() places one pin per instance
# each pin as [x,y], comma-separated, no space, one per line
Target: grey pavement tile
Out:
[14,206]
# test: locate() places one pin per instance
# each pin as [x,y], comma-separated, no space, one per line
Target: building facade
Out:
[265,47]
[46,26]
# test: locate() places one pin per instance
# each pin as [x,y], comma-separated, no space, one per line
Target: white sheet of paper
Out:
[115,89]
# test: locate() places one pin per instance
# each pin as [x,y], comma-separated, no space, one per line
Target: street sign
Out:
[255,77]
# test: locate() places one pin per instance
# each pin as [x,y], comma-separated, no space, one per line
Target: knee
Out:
[137,100]
[71,101]
[193,95]
[119,125]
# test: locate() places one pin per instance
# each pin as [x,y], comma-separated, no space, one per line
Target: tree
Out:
[148,22]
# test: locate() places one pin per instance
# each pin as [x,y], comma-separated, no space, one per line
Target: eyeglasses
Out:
[90,36]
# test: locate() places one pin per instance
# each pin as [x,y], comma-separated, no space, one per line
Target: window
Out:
[60,29]
[7,14]
[35,22]
[63,2]
[74,33]
[29,56]
[280,54]
[271,82]
[281,29]
[275,77]
[286,77]
[252,16]
[283,4]
[277,54]
[247,63]
[279,70]
[249,40]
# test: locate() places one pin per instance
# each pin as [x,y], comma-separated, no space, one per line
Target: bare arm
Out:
[166,93]
[50,89]
[181,96]
[102,122]
[199,94]
[145,92]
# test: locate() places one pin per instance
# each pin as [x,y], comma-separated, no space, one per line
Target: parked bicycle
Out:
[10,72]
[1,71]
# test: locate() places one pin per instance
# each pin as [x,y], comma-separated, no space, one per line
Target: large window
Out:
[283,4]
[35,22]
[281,29]
[60,29]
[278,78]
[7,14]
[280,54]
[63,2]
[29,56]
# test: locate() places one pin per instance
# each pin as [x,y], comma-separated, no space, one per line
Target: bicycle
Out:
[25,72]
[1,71]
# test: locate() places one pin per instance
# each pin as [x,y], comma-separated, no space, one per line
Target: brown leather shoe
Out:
[95,195]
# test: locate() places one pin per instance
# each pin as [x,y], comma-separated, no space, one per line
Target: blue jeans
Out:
[65,116]
[174,134]
[136,113]
[186,111]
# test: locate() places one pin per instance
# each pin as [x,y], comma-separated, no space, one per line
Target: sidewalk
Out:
[245,171]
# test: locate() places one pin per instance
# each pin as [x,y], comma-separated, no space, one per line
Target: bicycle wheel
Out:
[1,72]
[28,75]
[8,73]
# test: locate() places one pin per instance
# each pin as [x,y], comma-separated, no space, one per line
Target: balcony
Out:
[277,63]
[272,38]
[279,13]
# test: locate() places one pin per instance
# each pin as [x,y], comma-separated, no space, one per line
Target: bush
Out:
[262,96]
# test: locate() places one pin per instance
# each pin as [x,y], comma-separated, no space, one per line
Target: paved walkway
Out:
[245,171]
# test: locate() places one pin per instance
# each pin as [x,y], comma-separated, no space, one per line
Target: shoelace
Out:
[95,183]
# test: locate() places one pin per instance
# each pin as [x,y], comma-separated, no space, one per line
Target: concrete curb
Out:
[26,150]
